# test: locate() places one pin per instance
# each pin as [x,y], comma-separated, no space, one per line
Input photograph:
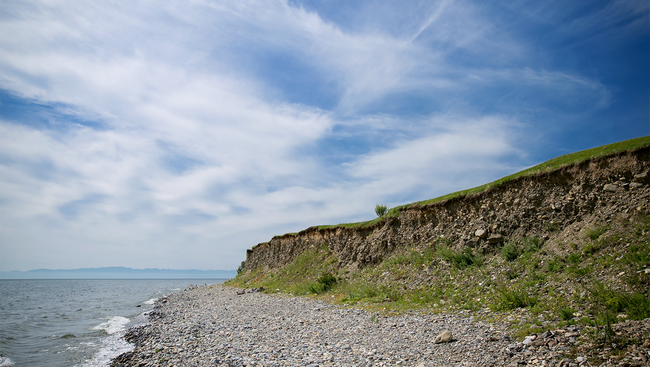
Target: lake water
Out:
[75,322]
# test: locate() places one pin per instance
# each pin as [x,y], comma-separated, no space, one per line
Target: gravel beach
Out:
[214,326]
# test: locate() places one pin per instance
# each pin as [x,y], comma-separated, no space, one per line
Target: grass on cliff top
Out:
[550,165]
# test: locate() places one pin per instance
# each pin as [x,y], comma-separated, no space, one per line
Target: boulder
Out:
[611,187]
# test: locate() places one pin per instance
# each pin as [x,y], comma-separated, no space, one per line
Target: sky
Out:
[178,134]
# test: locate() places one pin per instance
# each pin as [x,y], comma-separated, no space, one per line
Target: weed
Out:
[608,302]
[511,298]
[532,244]
[554,266]
[591,248]
[363,293]
[638,306]
[573,259]
[593,234]
[551,226]
[461,259]
[324,284]
[511,274]
[510,252]
[566,313]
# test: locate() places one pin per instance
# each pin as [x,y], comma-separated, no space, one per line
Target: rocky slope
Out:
[558,207]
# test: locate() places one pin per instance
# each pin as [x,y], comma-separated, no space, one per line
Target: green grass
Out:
[509,298]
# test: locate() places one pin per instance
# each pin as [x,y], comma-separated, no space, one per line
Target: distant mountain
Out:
[118,273]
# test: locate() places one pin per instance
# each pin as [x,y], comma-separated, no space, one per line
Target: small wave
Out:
[151,301]
[6,362]
[111,347]
[113,325]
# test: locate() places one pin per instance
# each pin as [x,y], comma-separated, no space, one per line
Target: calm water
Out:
[75,322]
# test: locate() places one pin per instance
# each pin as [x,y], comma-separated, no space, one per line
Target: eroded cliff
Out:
[555,206]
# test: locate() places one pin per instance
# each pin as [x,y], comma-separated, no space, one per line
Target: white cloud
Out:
[190,156]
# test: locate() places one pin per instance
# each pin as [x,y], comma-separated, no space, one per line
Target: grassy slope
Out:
[605,275]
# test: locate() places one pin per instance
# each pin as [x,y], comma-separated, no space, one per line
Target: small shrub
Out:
[637,306]
[380,209]
[511,298]
[591,248]
[324,284]
[554,265]
[551,226]
[461,259]
[607,302]
[240,269]
[593,234]
[510,252]
[532,244]
[511,274]
[573,258]
[566,313]
[360,292]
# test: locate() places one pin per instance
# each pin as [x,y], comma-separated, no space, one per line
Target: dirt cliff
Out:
[555,206]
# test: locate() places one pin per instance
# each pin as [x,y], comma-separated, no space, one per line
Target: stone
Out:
[611,188]
[641,176]
[495,238]
[481,233]
[444,337]
[635,185]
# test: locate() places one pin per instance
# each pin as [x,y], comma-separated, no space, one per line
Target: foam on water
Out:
[6,362]
[113,325]
[112,346]
[151,301]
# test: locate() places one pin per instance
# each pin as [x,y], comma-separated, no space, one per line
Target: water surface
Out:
[75,322]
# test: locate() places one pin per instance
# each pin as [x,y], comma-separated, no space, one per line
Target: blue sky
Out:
[178,134]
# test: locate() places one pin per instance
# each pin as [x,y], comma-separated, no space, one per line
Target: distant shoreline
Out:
[120,278]
[118,273]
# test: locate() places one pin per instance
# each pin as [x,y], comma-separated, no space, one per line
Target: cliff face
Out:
[554,205]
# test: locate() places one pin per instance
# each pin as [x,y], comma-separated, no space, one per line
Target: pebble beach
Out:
[223,326]
[213,325]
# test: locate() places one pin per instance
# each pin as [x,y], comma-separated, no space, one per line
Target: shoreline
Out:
[214,325]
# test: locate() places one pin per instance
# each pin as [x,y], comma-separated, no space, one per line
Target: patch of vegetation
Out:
[566,313]
[303,275]
[461,259]
[509,298]
[551,226]
[324,284]
[510,252]
[593,234]
[554,265]
[240,269]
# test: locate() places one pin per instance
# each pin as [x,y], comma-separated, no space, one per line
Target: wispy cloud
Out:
[179,134]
